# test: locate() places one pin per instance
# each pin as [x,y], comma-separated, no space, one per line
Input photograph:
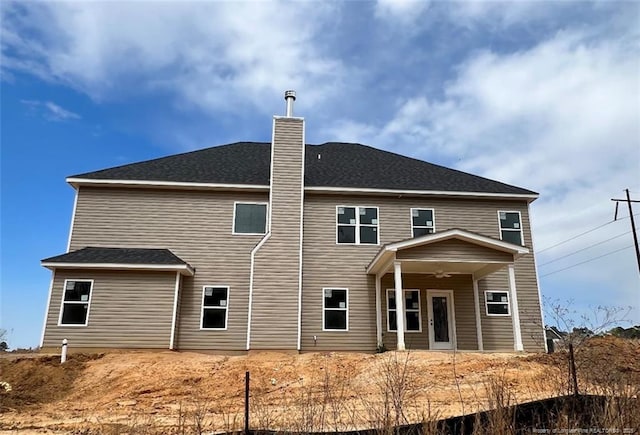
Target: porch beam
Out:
[397,274]
[378,310]
[476,300]
[515,313]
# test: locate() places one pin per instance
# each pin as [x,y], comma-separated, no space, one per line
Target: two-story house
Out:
[288,246]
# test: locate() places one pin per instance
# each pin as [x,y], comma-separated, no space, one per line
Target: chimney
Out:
[290,97]
[275,291]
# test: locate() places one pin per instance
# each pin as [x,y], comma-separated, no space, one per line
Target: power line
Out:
[583,249]
[582,234]
[586,261]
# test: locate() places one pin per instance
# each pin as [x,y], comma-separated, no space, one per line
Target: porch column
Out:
[515,313]
[397,274]
[476,300]
[378,311]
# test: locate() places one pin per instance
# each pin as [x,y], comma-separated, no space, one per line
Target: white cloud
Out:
[50,110]
[208,55]
[561,118]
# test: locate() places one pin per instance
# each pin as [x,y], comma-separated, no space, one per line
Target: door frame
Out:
[451,314]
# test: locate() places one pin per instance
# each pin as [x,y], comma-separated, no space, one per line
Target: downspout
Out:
[175,312]
[266,237]
[299,347]
[254,251]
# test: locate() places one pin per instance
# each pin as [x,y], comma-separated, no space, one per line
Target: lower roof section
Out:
[120,259]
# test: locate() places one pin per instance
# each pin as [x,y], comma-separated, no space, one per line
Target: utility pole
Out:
[628,200]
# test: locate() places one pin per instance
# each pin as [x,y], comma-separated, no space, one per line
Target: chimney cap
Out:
[290,94]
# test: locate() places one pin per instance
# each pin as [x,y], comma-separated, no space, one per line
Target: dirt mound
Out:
[37,380]
[165,392]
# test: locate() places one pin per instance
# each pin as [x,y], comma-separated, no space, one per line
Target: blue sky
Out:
[544,95]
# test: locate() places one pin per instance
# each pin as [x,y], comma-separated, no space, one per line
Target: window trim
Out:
[357,224]
[500,229]
[324,309]
[419,310]
[433,216]
[62,302]
[487,303]
[226,314]
[266,218]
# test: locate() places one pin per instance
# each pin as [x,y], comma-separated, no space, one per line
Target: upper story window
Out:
[357,225]
[250,218]
[215,304]
[75,302]
[422,221]
[497,303]
[335,309]
[510,227]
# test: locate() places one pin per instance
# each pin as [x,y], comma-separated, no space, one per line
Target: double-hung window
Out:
[75,302]
[335,309]
[215,305]
[510,227]
[497,303]
[412,322]
[357,225]
[249,218]
[422,221]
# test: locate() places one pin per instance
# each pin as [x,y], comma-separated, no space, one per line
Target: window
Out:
[250,218]
[412,320]
[422,221]
[510,228]
[75,302]
[497,303]
[357,225]
[215,304]
[335,314]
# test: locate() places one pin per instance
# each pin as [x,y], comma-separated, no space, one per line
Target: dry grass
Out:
[193,393]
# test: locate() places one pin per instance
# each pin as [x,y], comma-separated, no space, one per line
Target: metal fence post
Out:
[246,403]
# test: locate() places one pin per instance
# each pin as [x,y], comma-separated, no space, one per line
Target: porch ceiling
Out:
[477,269]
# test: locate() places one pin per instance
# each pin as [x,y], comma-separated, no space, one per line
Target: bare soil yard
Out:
[172,392]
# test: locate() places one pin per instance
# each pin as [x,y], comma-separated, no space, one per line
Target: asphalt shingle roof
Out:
[118,256]
[332,164]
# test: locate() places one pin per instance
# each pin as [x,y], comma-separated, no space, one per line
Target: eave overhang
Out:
[76,182]
[183,269]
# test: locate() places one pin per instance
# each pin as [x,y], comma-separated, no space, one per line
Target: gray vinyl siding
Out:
[328,264]
[465,320]
[274,318]
[128,309]
[456,250]
[194,225]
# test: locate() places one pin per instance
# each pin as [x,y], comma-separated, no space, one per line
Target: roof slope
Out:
[332,164]
[118,256]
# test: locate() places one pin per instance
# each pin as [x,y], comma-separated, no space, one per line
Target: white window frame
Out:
[266,218]
[433,217]
[358,224]
[64,290]
[346,309]
[407,310]
[226,308]
[487,303]
[500,229]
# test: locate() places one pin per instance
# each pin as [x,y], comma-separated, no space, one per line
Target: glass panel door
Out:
[441,326]
[440,319]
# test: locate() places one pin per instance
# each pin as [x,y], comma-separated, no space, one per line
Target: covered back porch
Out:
[428,293]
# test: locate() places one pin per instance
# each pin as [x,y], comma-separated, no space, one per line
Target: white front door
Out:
[441,319]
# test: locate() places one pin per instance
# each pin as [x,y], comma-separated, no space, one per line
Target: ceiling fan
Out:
[441,274]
